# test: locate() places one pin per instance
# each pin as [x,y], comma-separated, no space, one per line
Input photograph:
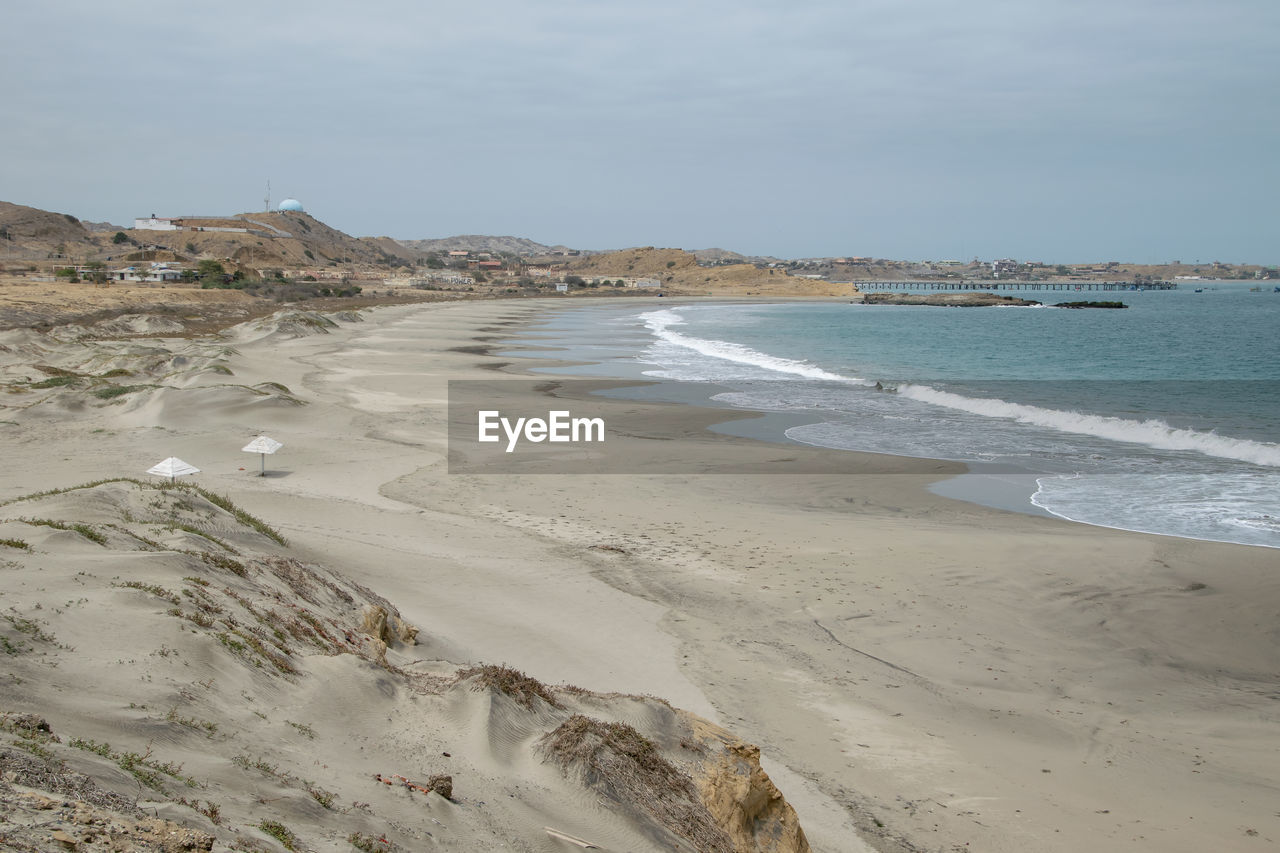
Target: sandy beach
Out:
[920,674]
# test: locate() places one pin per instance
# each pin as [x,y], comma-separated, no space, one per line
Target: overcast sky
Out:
[1052,130]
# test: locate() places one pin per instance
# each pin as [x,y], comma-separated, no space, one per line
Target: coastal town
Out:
[287,250]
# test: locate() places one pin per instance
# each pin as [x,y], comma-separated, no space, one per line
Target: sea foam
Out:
[1152,433]
[660,323]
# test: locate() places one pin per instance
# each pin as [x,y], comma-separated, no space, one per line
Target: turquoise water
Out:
[1163,417]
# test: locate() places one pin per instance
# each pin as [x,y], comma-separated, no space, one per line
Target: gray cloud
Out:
[1059,130]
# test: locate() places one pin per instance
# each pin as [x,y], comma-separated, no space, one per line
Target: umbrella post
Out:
[262,472]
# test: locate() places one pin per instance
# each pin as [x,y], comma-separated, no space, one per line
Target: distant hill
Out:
[711,256]
[679,272]
[103,227]
[274,239]
[35,230]
[725,256]
[484,243]
[278,239]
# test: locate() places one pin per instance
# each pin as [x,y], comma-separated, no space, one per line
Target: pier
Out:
[1010,284]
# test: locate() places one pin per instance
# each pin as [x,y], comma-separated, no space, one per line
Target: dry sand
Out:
[920,673]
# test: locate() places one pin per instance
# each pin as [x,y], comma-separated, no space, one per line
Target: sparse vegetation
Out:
[210,809]
[219,501]
[321,796]
[29,627]
[142,767]
[280,833]
[83,529]
[234,566]
[110,392]
[256,764]
[241,516]
[511,682]
[103,749]
[369,844]
[192,722]
[154,589]
[55,382]
[303,728]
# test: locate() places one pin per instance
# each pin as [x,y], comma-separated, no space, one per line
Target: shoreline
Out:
[925,671]
[1007,486]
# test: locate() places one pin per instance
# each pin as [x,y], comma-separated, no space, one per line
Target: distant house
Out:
[156,223]
[542,269]
[562,287]
[156,272]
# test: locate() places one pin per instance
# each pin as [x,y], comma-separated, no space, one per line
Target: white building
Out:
[156,223]
[156,272]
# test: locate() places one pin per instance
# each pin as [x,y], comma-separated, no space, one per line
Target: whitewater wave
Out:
[1152,433]
[660,323]
[1219,507]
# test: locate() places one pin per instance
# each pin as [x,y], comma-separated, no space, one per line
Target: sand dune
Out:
[191,666]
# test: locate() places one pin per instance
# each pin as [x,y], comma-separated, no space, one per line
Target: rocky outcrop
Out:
[711,792]
[744,801]
[37,822]
[376,622]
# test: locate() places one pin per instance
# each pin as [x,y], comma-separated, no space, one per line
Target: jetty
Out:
[1011,284]
[984,299]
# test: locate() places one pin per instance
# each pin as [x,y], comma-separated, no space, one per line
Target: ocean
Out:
[1162,417]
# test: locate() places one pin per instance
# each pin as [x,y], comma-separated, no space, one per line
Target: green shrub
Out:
[280,833]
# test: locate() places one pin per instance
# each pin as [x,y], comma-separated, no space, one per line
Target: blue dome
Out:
[291,204]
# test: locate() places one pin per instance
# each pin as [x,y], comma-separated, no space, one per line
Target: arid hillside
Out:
[679,273]
[29,228]
[272,240]
[279,239]
[483,243]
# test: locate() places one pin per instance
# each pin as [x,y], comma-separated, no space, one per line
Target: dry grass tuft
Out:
[627,767]
[53,777]
[514,683]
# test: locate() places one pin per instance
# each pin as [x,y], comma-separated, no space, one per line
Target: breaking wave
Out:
[1152,433]
[660,323]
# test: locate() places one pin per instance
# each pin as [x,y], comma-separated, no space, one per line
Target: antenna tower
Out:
[267,200]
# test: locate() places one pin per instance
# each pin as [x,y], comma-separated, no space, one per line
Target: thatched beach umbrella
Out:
[263,445]
[173,467]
